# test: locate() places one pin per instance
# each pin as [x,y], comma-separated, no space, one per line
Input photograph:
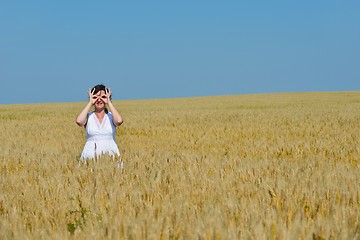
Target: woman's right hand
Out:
[92,97]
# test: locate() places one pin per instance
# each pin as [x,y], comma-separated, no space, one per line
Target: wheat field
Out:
[270,166]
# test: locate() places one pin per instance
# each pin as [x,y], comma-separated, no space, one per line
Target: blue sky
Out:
[54,51]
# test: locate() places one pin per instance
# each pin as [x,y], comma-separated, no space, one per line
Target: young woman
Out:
[100,124]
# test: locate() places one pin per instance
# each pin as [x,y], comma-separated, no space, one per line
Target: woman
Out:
[100,124]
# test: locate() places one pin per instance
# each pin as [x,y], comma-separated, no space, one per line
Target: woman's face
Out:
[100,99]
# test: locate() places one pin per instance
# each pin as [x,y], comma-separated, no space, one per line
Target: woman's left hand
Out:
[108,95]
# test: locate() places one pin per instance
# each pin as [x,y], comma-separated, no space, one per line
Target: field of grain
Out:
[276,166]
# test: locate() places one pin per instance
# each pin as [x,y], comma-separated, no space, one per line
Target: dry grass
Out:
[280,166]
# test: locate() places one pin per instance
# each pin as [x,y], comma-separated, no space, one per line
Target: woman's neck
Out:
[99,111]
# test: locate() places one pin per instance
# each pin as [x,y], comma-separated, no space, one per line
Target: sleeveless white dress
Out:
[100,137]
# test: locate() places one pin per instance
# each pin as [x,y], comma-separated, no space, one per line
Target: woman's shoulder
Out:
[90,115]
[109,115]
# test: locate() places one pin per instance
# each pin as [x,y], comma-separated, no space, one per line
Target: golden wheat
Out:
[279,166]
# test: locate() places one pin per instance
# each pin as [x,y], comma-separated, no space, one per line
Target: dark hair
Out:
[98,88]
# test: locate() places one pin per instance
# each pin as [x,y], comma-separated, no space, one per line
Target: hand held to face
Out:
[92,98]
[107,95]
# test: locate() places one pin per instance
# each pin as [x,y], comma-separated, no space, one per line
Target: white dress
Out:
[100,137]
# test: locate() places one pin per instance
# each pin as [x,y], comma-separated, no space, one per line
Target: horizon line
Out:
[186,97]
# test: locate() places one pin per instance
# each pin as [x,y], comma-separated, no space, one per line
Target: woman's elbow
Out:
[119,122]
[79,122]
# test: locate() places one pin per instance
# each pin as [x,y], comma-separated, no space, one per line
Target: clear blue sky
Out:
[54,51]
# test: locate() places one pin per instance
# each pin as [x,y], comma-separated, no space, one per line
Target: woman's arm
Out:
[117,119]
[82,117]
